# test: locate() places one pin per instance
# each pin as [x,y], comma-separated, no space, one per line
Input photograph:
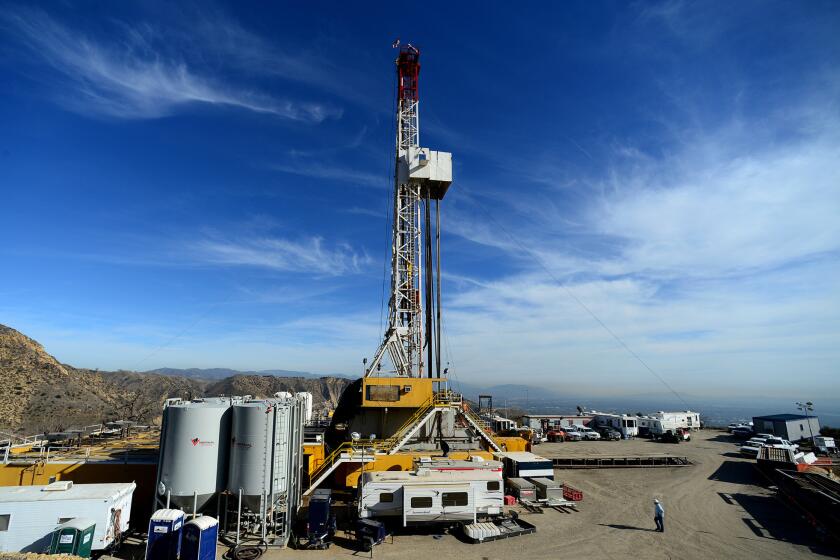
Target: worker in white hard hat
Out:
[659,515]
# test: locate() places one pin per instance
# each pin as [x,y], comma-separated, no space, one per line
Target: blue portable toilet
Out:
[199,539]
[164,540]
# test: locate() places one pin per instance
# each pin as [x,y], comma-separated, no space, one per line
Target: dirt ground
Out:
[715,508]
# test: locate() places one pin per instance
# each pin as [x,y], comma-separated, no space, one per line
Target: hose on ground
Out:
[246,551]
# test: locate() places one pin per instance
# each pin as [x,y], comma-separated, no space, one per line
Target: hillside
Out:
[38,393]
[216,374]
[324,389]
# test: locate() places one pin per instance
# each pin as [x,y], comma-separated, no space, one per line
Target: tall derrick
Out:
[421,176]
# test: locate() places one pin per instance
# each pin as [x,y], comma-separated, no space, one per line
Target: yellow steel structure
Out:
[397,392]
[314,455]
[385,454]
[132,459]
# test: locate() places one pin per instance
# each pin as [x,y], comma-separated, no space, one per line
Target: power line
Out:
[591,313]
[183,331]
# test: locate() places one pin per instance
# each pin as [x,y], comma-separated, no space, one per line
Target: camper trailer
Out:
[425,496]
[685,419]
[624,423]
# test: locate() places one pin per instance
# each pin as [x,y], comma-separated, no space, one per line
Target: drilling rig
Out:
[421,176]
[402,407]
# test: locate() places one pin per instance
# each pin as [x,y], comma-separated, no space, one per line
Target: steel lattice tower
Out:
[420,176]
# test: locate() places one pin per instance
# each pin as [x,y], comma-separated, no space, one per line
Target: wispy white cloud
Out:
[732,233]
[133,76]
[308,255]
[321,170]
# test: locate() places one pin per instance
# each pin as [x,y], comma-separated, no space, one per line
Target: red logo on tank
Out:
[195,441]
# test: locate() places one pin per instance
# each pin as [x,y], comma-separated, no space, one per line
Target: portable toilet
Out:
[198,541]
[73,537]
[320,512]
[164,540]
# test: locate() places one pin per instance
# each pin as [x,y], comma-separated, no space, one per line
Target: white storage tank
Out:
[307,399]
[252,439]
[265,447]
[194,450]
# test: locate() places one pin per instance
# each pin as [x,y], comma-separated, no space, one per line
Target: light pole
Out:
[355,437]
[807,407]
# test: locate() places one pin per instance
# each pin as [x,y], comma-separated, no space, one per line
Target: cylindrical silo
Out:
[251,452]
[307,398]
[195,445]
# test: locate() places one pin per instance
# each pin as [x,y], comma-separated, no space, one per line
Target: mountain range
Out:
[38,393]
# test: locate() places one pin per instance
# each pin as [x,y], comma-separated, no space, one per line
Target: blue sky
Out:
[206,185]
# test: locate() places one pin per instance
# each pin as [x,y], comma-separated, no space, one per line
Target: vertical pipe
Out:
[168,495]
[238,516]
[429,299]
[227,505]
[218,506]
[437,279]
[195,502]
[264,516]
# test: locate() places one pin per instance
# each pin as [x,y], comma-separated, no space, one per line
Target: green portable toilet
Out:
[73,537]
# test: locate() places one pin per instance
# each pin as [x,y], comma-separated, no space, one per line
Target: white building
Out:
[30,514]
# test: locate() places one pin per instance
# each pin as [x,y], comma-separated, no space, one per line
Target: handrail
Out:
[441,399]
[488,432]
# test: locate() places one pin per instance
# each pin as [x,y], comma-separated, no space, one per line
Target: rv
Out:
[429,496]
[686,419]
[622,422]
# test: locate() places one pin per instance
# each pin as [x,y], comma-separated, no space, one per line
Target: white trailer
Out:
[428,496]
[686,419]
[30,514]
[624,423]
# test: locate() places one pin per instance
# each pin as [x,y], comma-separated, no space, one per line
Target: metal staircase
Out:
[481,426]
[347,452]
[366,451]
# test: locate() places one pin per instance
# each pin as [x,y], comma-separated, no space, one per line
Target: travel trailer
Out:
[426,495]
[622,422]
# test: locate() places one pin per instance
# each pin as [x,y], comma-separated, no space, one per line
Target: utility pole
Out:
[807,407]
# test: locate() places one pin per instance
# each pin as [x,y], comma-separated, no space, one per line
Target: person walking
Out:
[659,515]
